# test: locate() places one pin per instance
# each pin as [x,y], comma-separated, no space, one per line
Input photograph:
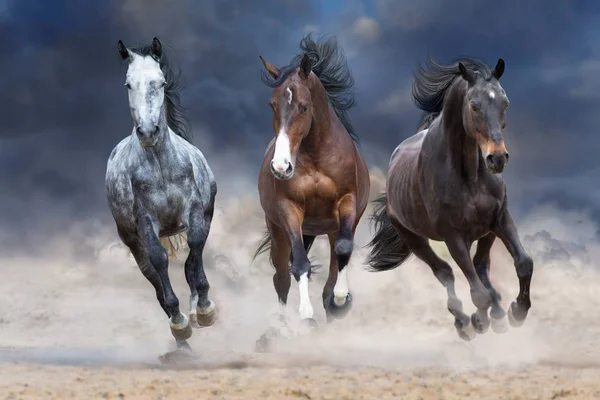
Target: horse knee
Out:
[443,272]
[343,250]
[524,267]
[158,256]
[300,268]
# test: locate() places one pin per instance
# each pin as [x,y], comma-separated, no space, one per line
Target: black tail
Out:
[265,245]
[388,249]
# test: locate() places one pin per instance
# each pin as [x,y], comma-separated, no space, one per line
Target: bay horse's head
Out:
[292,114]
[145,84]
[484,114]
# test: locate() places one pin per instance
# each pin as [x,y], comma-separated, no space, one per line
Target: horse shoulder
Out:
[203,175]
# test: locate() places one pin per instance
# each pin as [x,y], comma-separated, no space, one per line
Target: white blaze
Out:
[340,291]
[305,309]
[290,92]
[282,156]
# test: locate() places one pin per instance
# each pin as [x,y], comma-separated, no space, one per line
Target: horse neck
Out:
[321,131]
[463,150]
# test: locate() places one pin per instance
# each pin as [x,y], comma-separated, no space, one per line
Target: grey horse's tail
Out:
[174,244]
[388,251]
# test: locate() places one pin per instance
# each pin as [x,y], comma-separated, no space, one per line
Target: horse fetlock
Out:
[454,305]
[500,325]
[480,321]
[339,311]
[481,298]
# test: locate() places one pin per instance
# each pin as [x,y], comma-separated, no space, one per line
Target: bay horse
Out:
[444,183]
[313,180]
[159,185]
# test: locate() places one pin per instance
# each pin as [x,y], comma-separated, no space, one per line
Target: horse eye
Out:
[164,84]
[474,106]
[303,109]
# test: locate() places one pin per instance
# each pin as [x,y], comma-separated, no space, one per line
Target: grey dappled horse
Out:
[159,185]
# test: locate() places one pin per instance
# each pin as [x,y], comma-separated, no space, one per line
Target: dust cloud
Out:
[84,301]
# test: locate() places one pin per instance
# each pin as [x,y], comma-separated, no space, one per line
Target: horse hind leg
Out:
[203,311]
[443,272]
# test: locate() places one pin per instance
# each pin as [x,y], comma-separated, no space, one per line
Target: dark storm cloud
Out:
[63,106]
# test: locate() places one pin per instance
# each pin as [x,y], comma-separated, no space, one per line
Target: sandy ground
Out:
[78,320]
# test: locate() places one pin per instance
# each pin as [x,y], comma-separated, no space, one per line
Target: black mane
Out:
[433,81]
[176,119]
[329,64]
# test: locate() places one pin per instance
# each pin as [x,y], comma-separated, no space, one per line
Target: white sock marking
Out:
[193,304]
[290,92]
[340,290]
[305,310]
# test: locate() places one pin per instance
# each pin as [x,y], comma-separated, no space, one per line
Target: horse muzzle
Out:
[497,161]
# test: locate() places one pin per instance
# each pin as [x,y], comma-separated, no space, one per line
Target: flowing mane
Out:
[329,64]
[176,119]
[433,81]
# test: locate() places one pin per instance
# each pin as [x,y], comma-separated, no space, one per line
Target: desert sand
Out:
[78,320]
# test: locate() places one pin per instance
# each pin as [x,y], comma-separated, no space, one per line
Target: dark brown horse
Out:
[444,184]
[313,180]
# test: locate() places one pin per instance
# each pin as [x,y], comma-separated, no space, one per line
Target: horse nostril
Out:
[289,169]
[139,131]
[155,129]
[507,156]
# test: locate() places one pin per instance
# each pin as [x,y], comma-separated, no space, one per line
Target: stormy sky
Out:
[63,106]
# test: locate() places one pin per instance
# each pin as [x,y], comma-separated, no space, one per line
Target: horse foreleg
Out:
[481,261]
[341,302]
[506,230]
[480,295]
[203,311]
[180,327]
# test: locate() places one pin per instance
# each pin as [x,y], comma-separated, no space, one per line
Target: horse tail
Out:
[388,251]
[174,244]
[265,245]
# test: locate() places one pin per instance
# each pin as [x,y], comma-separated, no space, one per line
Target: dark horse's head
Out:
[302,89]
[484,114]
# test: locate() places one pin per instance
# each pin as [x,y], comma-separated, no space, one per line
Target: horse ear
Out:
[156,49]
[499,70]
[271,69]
[123,52]
[305,66]
[466,74]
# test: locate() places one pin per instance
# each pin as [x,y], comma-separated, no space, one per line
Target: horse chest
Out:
[319,194]
[479,213]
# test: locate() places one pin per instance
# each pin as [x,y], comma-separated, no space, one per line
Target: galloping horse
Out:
[313,180]
[444,184]
[159,185]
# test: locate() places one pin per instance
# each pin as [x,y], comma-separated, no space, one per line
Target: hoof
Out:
[480,321]
[466,332]
[337,311]
[516,316]
[500,325]
[310,324]
[264,344]
[206,317]
[179,356]
[182,331]
[184,346]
